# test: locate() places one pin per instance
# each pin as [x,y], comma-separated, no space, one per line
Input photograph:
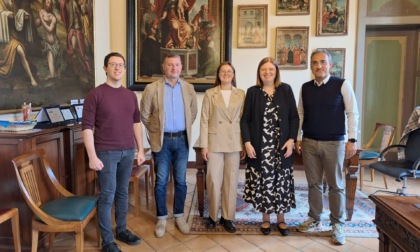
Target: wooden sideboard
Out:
[397,219]
[68,159]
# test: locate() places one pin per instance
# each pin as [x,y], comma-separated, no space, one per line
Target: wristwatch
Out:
[352,140]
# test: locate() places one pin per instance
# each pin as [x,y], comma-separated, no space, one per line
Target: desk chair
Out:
[55,209]
[13,215]
[367,156]
[403,168]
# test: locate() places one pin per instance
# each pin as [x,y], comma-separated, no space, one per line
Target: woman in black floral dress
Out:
[269,127]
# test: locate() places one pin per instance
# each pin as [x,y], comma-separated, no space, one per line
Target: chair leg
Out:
[136,196]
[386,184]
[372,175]
[146,184]
[34,240]
[361,175]
[51,241]
[98,231]
[79,241]
[16,230]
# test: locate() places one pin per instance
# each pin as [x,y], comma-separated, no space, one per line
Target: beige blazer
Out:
[220,129]
[152,111]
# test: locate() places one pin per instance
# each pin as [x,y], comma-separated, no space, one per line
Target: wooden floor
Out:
[144,225]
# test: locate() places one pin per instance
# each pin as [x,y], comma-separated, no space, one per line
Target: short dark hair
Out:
[113,54]
[318,50]
[171,55]
[218,81]
[277,81]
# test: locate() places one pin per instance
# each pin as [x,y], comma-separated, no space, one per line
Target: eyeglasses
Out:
[226,72]
[114,65]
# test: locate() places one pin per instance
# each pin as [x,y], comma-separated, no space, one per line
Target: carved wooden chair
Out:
[13,215]
[55,209]
[368,156]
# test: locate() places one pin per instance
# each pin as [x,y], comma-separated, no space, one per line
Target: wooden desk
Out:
[397,220]
[351,165]
[68,159]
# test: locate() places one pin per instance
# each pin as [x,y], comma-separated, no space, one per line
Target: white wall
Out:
[110,35]
[244,60]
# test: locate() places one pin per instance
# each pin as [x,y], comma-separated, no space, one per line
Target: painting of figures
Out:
[292,47]
[293,7]
[332,16]
[46,51]
[193,29]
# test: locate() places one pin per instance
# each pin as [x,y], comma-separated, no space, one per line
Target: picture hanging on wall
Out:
[338,56]
[199,31]
[332,17]
[292,47]
[292,7]
[46,52]
[252,26]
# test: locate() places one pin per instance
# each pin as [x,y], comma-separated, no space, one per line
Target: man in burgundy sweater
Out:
[111,128]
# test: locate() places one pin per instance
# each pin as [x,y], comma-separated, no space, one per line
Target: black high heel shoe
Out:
[283,231]
[265,231]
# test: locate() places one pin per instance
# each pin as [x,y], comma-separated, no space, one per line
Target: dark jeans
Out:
[113,183]
[174,151]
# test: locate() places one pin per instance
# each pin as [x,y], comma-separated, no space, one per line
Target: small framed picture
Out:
[338,56]
[292,7]
[292,47]
[332,17]
[252,26]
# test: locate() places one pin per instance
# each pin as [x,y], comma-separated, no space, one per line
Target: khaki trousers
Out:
[222,183]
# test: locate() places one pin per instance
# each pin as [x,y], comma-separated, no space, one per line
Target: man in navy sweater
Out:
[324,105]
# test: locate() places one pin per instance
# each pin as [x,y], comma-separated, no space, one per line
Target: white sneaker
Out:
[307,225]
[182,225]
[337,234]
[160,228]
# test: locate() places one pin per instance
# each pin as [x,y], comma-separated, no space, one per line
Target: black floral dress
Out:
[271,188]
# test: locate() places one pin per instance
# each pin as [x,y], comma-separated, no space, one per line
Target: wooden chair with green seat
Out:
[55,209]
[368,156]
[13,215]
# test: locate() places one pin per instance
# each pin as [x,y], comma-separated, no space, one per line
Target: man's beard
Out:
[204,16]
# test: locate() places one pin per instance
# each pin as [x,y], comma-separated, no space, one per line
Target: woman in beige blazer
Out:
[221,144]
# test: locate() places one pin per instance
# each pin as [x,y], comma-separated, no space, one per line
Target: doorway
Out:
[391,77]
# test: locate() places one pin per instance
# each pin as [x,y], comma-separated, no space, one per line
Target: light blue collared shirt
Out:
[174,108]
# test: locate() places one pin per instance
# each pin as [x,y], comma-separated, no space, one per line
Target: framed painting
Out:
[338,56]
[198,30]
[292,47]
[47,59]
[292,7]
[252,26]
[332,17]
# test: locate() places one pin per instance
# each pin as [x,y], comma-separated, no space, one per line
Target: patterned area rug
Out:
[248,222]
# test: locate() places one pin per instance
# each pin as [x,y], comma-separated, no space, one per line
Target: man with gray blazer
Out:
[168,110]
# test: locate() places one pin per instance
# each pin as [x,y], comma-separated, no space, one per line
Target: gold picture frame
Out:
[292,47]
[332,17]
[252,26]
[293,7]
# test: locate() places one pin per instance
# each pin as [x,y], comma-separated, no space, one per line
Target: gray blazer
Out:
[220,129]
[152,111]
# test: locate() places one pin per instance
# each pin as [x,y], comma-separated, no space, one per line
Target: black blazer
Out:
[252,120]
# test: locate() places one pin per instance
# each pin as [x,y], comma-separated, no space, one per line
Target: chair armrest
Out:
[384,151]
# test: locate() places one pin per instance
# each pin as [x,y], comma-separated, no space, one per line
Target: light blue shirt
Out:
[174,108]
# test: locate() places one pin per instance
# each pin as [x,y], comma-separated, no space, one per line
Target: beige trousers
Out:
[222,183]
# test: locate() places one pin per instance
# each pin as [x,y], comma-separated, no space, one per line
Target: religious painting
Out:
[292,47]
[338,56]
[292,7]
[332,17]
[197,30]
[46,52]
[252,26]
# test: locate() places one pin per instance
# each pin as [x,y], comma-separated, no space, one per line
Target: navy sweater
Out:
[324,118]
